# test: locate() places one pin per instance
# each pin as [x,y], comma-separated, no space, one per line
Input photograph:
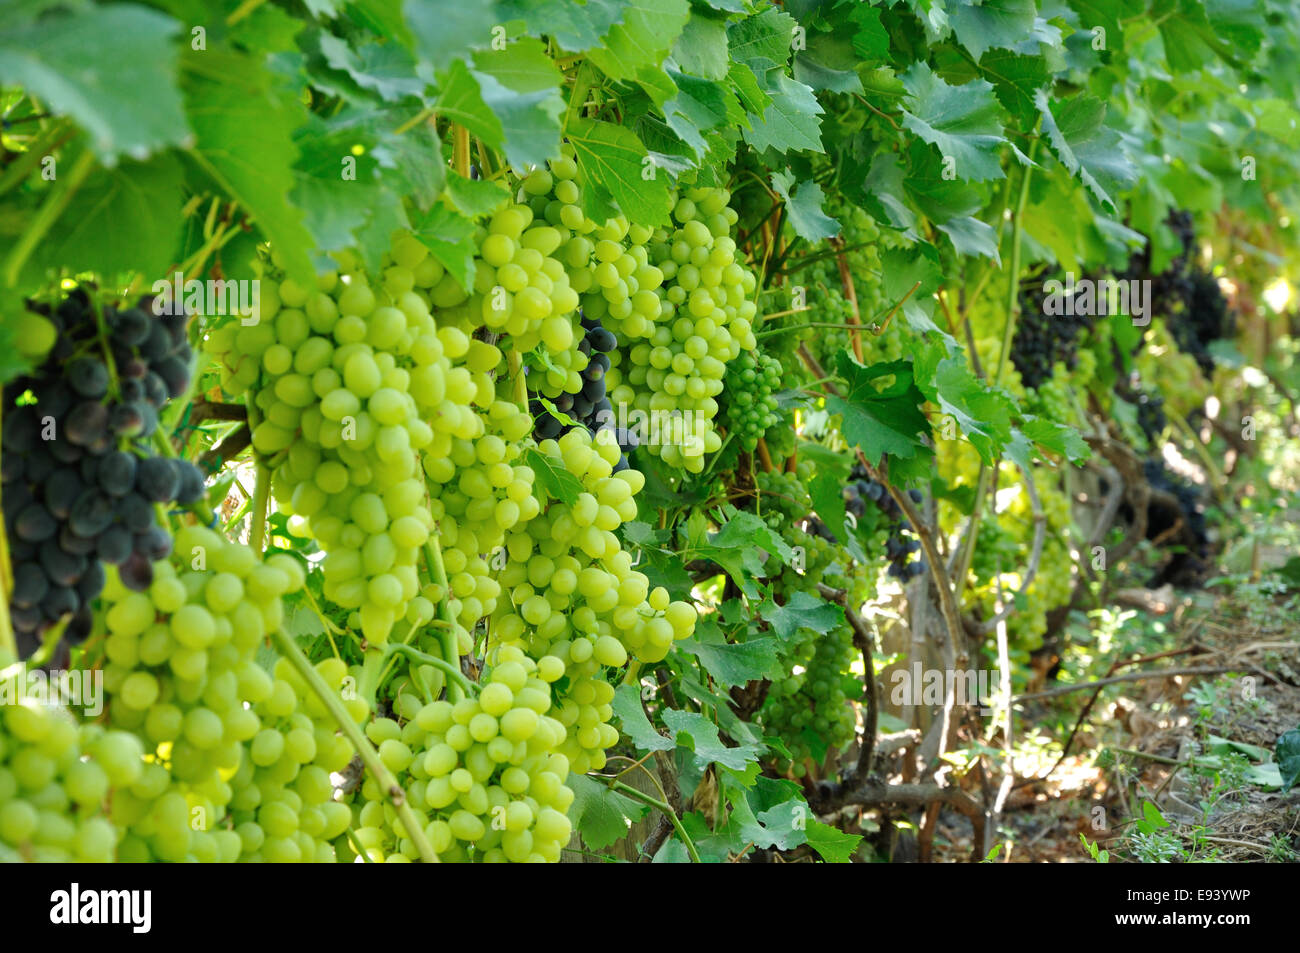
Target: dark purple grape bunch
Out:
[591,406]
[80,481]
[901,545]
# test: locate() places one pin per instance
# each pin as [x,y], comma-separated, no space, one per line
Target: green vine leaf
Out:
[804,207]
[877,421]
[962,122]
[558,482]
[62,59]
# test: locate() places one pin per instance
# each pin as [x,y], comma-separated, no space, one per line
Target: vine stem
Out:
[666,810]
[261,496]
[961,567]
[55,202]
[392,790]
[8,644]
[850,292]
[50,139]
[424,658]
[447,636]
[460,149]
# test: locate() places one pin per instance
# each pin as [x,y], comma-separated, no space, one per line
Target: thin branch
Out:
[1132,677]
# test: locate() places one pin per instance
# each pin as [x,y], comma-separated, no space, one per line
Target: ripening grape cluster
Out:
[55,775]
[351,382]
[901,544]
[809,703]
[484,772]
[574,596]
[233,763]
[671,367]
[751,408]
[81,483]
[1044,340]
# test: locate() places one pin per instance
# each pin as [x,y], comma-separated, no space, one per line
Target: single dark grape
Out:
[91,584]
[135,512]
[79,626]
[35,524]
[131,327]
[132,390]
[175,374]
[136,573]
[116,474]
[132,368]
[60,601]
[26,618]
[16,498]
[155,390]
[154,543]
[78,545]
[54,400]
[115,544]
[39,465]
[602,339]
[127,420]
[11,468]
[63,568]
[30,584]
[192,488]
[88,377]
[86,422]
[157,479]
[158,344]
[91,513]
[64,450]
[22,429]
[548,427]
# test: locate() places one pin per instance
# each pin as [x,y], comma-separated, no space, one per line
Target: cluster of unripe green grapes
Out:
[485,773]
[1010,533]
[751,383]
[574,596]
[479,493]
[674,365]
[55,775]
[181,675]
[351,382]
[809,701]
[1175,373]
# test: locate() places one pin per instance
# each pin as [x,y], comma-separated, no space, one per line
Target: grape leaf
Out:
[702,47]
[962,122]
[1288,758]
[694,731]
[112,69]
[521,85]
[614,160]
[698,107]
[790,122]
[1057,437]
[576,26]
[242,127]
[1016,78]
[762,42]
[971,237]
[601,815]
[642,37]
[634,723]
[876,421]
[916,271]
[735,547]
[449,238]
[138,204]
[553,477]
[834,845]
[736,663]
[804,208]
[991,23]
[802,610]
[474,197]
[1085,145]
[386,69]
[982,413]
[446,33]
[871,39]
